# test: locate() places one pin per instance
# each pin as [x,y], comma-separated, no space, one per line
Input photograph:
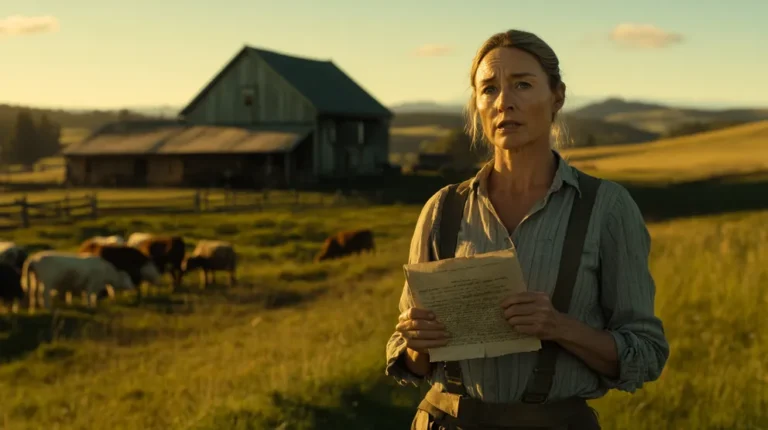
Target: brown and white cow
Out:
[69,273]
[345,243]
[211,256]
[129,260]
[167,252]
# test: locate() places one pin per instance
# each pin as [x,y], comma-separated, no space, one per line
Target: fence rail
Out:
[22,213]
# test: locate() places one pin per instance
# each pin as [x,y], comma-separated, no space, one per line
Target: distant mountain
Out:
[667,120]
[427,107]
[611,106]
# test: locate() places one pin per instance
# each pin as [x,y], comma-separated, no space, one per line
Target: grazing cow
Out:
[167,252]
[129,260]
[103,240]
[211,256]
[136,238]
[13,254]
[10,285]
[345,243]
[70,273]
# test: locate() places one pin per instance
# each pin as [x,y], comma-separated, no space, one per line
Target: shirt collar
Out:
[564,173]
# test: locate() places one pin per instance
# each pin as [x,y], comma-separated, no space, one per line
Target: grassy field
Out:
[299,345]
[71,135]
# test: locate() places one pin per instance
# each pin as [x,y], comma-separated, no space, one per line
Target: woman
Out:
[608,337]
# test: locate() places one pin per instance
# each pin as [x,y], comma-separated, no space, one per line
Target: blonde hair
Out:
[546,57]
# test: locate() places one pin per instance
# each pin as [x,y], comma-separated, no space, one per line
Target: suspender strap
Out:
[539,385]
[450,222]
[452,213]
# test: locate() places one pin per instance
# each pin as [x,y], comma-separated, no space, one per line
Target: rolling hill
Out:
[665,120]
[735,150]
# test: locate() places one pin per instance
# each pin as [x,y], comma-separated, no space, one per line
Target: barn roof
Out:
[175,138]
[323,83]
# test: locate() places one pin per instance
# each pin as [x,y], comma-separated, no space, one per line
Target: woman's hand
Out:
[421,330]
[532,313]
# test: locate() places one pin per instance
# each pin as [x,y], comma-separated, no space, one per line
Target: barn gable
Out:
[247,91]
[281,88]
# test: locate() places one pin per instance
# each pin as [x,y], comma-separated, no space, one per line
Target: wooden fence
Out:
[23,213]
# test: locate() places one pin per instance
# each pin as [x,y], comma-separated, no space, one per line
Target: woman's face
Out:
[514,100]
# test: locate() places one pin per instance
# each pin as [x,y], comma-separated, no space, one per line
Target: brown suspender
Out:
[452,213]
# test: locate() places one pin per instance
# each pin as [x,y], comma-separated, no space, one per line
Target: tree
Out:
[49,135]
[30,141]
[24,141]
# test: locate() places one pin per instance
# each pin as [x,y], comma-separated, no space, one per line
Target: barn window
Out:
[249,94]
[360,133]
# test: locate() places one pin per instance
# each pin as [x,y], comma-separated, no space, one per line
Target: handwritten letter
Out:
[465,294]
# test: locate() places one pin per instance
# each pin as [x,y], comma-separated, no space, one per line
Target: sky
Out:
[114,54]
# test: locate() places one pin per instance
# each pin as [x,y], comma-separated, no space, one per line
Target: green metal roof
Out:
[325,85]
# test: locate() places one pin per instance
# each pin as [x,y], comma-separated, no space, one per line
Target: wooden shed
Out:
[265,119]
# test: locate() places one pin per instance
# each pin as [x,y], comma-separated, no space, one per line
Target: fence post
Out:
[197,200]
[66,205]
[24,211]
[94,206]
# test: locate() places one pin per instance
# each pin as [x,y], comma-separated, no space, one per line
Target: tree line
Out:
[26,139]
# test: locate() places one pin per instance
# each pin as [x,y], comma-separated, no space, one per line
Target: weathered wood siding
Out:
[327,140]
[341,151]
[274,100]
[76,170]
[165,171]
[376,148]
[104,171]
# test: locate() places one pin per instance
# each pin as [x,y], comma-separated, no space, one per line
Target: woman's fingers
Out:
[425,334]
[416,314]
[419,325]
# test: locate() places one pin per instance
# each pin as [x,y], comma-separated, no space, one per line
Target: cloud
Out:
[16,25]
[644,36]
[433,50]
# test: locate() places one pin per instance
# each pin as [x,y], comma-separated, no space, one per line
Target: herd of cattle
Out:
[106,264]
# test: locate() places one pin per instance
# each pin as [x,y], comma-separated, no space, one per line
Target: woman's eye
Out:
[522,85]
[489,89]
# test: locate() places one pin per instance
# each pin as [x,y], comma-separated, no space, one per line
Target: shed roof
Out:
[323,83]
[174,138]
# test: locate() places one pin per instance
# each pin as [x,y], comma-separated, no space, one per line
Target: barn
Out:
[266,119]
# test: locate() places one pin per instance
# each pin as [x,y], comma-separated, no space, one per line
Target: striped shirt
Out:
[614,288]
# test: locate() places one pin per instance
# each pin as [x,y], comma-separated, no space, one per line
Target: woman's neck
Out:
[523,170]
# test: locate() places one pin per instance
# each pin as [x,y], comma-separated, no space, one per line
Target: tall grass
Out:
[300,345]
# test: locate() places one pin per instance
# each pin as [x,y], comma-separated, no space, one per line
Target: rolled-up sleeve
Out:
[628,294]
[419,252]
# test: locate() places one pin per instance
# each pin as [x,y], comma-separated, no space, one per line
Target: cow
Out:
[13,254]
[345,243]
[11,292]
[66,272]
[129,260]
[211,256]
[136,238]
[101,240]
[167,252]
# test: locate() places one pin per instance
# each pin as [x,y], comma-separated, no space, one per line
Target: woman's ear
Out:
[559,97]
